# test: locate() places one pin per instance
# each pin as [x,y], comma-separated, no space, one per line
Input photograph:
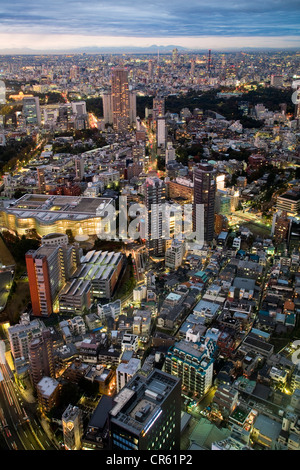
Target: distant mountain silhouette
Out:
[153,49]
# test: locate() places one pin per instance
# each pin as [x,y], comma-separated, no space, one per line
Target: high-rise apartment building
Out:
[119,106]
[48,269]
[120,99]
[48,393]
[41,357]
[155,195]
[193,363]
[204,196]
[107,108]
[281,226]
[21,335]
[72,427]
[175,254]
[147,415]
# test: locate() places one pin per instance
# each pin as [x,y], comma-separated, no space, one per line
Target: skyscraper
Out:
[107,108]
[146,415]
[120,99]
[155,195]
[119,106]
[204,194]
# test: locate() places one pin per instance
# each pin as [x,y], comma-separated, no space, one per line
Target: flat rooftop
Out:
[139,402]
[53,207]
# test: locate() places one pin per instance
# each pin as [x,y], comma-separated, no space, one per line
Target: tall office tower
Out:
[48,269]
[161,132]
[107,108]
[120,99]
[79,167]
[41,178]
[147,415]
[193,363]
[72,424]
[155,195]
[41,357]
[31,110]
[204,194]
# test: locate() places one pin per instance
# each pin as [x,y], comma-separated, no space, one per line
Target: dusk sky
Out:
[197,24]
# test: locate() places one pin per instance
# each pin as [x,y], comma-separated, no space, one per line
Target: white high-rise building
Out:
[170,153]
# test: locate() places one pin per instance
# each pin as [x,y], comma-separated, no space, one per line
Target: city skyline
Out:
[61,27]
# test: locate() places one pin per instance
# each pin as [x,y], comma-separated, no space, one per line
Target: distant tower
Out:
[150,68]
[192,71]
[107,108]
[209,63]
[120,99]
[175,56]
[204,193]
